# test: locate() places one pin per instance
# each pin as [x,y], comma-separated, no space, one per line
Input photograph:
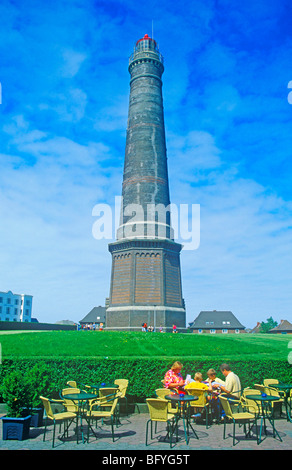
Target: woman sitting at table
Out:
[173,379]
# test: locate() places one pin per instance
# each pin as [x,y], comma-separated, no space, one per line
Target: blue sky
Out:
[63,118]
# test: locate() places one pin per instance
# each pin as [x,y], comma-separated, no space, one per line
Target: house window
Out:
[200,331]
[224,330]
[236,331]
[212,331]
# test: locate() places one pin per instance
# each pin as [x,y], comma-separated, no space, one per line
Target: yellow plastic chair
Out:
[160,393]
[274,392]
[101,413]
[123,385]
[240,418]
[158,410]
[262,388]
[62,417]
[268,382]
[202,402]
[250,405]
[72,383]
[69,404]
[109,394]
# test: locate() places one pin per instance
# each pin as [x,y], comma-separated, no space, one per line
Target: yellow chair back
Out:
[251,405]
[202,397]
[158,409]
[72,383]
[123,385]
[47,407]
[268,382]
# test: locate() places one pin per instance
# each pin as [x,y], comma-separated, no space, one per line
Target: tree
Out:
[266,327]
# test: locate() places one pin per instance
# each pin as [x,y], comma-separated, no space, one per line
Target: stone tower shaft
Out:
[145,181]
[145,279]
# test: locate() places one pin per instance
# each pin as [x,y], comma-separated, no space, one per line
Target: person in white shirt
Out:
[232,384]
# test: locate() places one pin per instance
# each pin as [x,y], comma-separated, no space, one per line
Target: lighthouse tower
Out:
[146,277]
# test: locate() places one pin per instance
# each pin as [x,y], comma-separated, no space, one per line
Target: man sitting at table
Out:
[232,385]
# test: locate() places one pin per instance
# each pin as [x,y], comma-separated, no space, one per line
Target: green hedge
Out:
[144,375]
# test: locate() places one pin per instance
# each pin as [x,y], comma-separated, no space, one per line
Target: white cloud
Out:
[191,154]
[65,103]
[245,244]
[72,62]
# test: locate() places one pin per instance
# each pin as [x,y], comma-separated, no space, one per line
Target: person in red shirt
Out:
[173,378]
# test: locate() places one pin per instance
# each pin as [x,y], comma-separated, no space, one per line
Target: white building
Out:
[15,307]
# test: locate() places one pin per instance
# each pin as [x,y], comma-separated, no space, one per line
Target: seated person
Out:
[215,383]
[213,379]
[198,384]
[232,385]
[173,379]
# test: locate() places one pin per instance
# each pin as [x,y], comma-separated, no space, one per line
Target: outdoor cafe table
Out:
[80,399]
[286,389]
[183,402]
[264,401]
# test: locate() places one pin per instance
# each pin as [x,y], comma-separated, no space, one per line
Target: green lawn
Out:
[112,344]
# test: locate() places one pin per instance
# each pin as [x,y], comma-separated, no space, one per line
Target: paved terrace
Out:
[130,436]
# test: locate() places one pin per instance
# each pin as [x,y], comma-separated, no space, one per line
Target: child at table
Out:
[198,383]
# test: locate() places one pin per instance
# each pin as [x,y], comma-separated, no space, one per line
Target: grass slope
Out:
[113,344]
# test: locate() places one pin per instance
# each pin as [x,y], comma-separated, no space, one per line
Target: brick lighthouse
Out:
[146,276]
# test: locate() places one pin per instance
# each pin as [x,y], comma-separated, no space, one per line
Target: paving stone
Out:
[130,436]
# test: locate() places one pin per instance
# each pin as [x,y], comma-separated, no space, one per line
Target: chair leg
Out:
[112,426]
[147,424]
[45,429]
[54,434]
[256,427]
[170,433]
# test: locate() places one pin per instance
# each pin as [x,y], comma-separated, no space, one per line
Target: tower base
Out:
[145,285]
[132,318]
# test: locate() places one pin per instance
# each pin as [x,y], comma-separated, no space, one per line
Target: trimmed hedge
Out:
[144,375]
